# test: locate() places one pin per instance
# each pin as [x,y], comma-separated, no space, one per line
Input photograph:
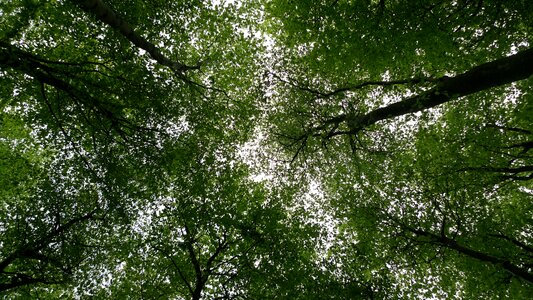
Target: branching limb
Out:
[32,250]
[506,128]
[340,90]
[483,77]
[178,269]
[106,14]
[200,279]
[511,173]
[475,254]
[514,241]
[21,279]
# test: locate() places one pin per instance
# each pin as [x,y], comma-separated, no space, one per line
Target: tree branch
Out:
[483,77]
[32,251]
[340,90]
[222,244]
[514,241]
[104,13]
[22,280]
[200,280]
[454,245]
[505,128]
[180,273]
[501,170]
[43,241]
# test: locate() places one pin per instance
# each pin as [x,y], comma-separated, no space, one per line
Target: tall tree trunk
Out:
[485,76]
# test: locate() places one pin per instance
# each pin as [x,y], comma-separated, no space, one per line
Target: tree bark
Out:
[485,76]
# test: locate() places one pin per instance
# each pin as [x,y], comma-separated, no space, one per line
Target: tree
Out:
[424,151]
[278,149]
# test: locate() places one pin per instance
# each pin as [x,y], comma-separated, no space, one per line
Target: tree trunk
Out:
[495,73]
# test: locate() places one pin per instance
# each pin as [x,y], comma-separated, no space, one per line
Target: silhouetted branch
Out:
[107,15]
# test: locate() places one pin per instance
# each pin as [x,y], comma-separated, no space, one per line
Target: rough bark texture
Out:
[105,14]
[495,73]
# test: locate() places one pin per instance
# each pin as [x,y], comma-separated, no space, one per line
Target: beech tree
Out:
[275,149]
[418,121]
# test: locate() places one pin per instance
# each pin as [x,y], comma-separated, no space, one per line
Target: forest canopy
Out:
[276,149]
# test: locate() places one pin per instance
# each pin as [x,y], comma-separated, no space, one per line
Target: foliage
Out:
[332,149]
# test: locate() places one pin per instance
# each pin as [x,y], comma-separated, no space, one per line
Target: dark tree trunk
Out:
[495,73]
